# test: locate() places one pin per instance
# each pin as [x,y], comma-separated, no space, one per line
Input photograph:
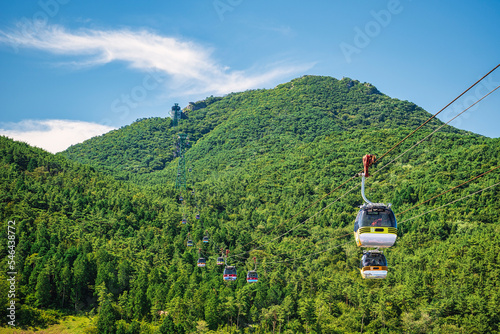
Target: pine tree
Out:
[212,316]
[167,326]
[140,299]
[106,322]
[42,289]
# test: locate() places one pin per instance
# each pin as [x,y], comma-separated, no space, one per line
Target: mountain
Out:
[100,231]
[299,111]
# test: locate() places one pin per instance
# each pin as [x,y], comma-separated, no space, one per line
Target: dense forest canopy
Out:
[99,232]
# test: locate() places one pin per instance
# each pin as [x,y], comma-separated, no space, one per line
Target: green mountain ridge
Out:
[285,112]
[259,158]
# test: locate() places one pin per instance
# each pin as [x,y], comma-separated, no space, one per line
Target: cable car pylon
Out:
[180,146]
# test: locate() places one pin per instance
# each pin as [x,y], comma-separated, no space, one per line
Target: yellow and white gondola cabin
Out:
[375,226]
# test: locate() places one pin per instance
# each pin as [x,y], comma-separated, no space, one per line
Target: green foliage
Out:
[167,326]
[98,227]
[106,322]
[43,289]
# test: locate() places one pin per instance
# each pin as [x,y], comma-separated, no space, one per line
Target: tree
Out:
[140,299]
[212,315]
[106,322]
[167,326]
[42,290]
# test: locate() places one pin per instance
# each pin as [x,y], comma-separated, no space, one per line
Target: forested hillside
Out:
[89,243]
[299,111]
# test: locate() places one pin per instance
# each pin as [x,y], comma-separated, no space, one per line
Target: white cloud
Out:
[52,135]
[190,66]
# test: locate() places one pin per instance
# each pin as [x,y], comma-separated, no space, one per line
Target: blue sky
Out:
[73,69]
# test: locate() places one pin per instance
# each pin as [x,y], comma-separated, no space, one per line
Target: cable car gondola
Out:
[230,273]
[189,242]
[183,221]
[198,216]
[205,239]
[373,265]
[375,224]
[220,259]
[201,261]
[252,276]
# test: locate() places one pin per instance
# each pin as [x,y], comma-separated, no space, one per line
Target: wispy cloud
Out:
[190,67]
[52,135]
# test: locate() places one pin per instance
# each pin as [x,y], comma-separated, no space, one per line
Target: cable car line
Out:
[306,247]
[350,190]
[430,118]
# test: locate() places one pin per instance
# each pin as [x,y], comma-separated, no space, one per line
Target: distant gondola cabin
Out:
[201,262]
[252,276]
[230,273]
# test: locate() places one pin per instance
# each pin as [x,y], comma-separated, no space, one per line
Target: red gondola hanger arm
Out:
[368,160]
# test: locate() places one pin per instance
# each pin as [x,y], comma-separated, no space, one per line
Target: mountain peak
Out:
[300,110]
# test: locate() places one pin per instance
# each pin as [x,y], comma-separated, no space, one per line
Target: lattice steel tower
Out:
[181,144]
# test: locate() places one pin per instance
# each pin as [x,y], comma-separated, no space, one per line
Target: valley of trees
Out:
[98,227]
